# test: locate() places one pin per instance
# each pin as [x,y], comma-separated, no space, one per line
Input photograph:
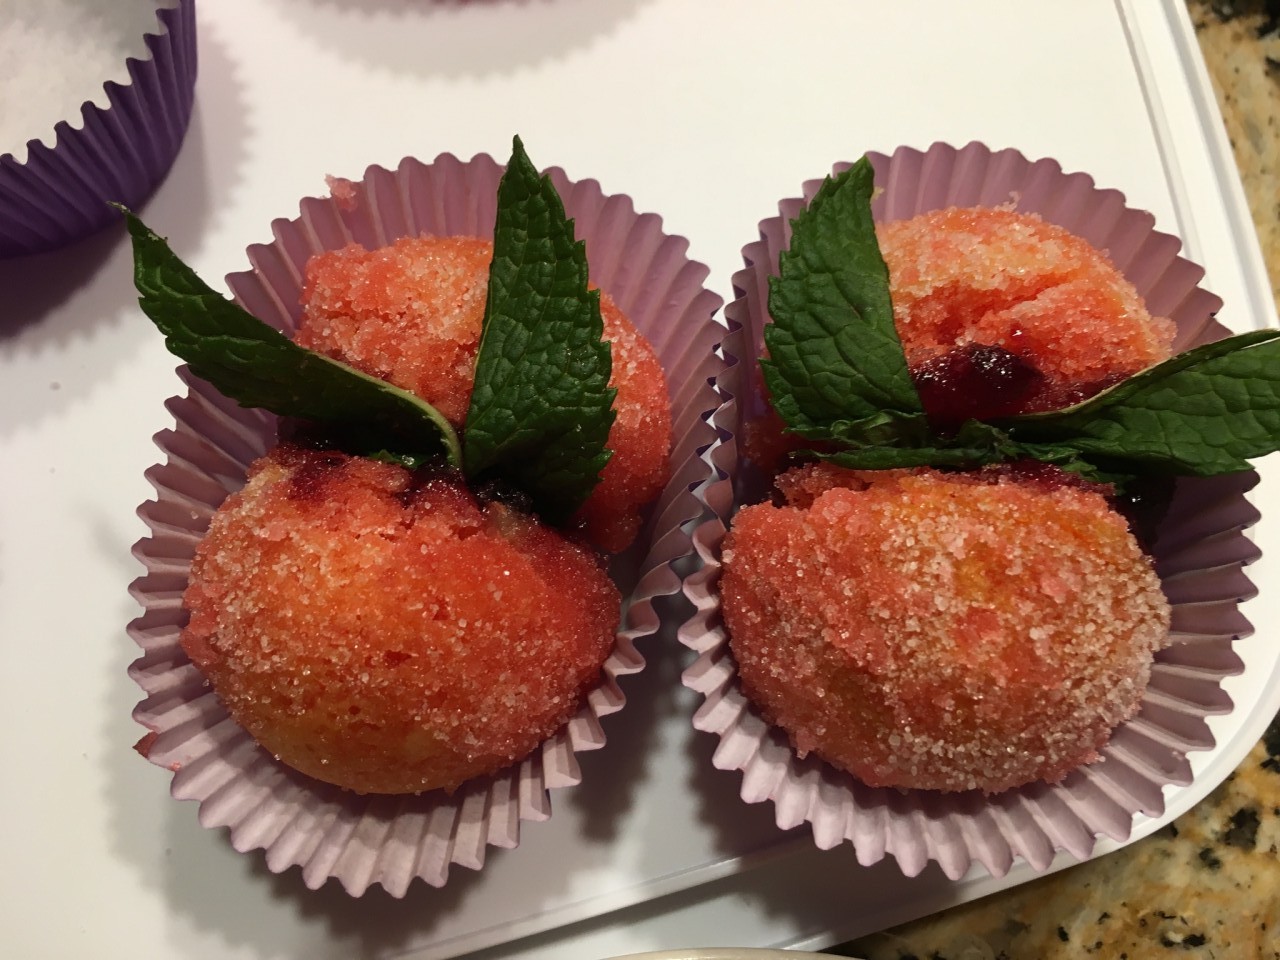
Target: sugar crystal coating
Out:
[383,631]
[971,277]
[411,312]
[941,631]
[993,276]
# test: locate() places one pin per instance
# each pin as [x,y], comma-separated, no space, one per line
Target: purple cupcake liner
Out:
[297,821]
[119,153]
[1200,555]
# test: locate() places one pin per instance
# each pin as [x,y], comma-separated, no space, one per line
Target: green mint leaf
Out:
[257,366]
[837,375]
[974,445]
[1207,411]
[885,428]
[1119,475]
[541,407]
[834,354]
[892,458]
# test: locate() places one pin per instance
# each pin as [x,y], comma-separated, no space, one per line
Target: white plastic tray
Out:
[706,111]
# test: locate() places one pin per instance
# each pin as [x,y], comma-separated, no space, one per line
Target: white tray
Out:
[706,111]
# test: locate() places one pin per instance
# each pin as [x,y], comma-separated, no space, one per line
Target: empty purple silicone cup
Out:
[62,191]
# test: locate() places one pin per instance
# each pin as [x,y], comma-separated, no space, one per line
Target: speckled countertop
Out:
[1206,887]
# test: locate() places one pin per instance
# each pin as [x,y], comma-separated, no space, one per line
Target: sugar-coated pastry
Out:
[410,313]
[382,630]
[942,631]
[993,277]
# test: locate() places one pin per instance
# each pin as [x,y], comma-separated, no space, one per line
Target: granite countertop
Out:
[1207,885]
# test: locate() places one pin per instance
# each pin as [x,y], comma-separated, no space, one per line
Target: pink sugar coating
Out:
[640,438]
[993,276]
[411,313]
[384,632]
[934,631]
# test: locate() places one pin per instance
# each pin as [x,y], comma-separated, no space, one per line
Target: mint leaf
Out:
[541,407]
[1207,411]
[1119,474]
[257,366]
[834,354]
[837,375]
[973,445]
[892,458]
[883,428]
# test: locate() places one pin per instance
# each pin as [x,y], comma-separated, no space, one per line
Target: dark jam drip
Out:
[312,470]
[983,382]
[1055,396]
[975,382]
[978,381]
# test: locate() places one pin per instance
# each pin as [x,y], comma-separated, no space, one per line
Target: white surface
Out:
[706,111]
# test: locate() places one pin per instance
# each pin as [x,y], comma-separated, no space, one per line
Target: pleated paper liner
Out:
[1200,555]
[118,153]
[298,821]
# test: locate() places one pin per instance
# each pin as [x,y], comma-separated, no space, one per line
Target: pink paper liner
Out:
[298,821]
[1200,554]
[120,153]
